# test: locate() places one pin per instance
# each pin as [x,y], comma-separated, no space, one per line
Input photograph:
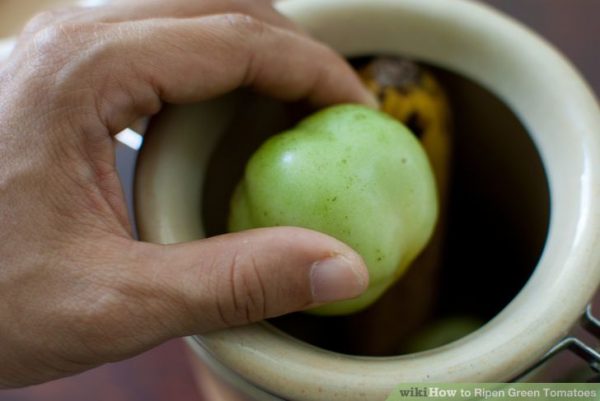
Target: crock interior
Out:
[560,114]
[497,224]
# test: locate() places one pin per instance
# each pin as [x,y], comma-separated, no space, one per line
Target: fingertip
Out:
[335,279]
[369,100]
[345,86]
[337,273]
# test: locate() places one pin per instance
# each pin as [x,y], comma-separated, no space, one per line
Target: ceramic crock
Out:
[259,362]
[530,77]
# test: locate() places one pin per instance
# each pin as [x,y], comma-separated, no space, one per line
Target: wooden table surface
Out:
[163,373]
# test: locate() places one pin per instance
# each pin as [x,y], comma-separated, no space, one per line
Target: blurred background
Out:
[164,372]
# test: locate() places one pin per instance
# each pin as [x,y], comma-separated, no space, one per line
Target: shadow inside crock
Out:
[498,215]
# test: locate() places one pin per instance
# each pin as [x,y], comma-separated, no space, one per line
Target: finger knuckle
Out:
[245,24]
[47,18]
[56,46]
[41,20]
[56,41]
[245,300]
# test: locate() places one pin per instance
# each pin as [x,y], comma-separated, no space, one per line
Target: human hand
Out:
[76,290]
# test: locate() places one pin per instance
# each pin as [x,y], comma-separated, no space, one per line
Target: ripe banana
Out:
[411,94]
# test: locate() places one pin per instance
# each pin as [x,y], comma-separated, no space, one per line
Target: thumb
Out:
[248,276]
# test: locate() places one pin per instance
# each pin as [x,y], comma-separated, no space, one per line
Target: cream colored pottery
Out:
[537,83]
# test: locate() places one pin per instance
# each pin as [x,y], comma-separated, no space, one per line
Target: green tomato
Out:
[350,172]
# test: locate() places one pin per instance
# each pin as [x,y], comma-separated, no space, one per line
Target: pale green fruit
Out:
[353,173]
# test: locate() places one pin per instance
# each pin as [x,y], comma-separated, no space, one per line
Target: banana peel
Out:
[412,95]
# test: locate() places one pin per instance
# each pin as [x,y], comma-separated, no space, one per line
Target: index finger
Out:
[133,10]
[188,60]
